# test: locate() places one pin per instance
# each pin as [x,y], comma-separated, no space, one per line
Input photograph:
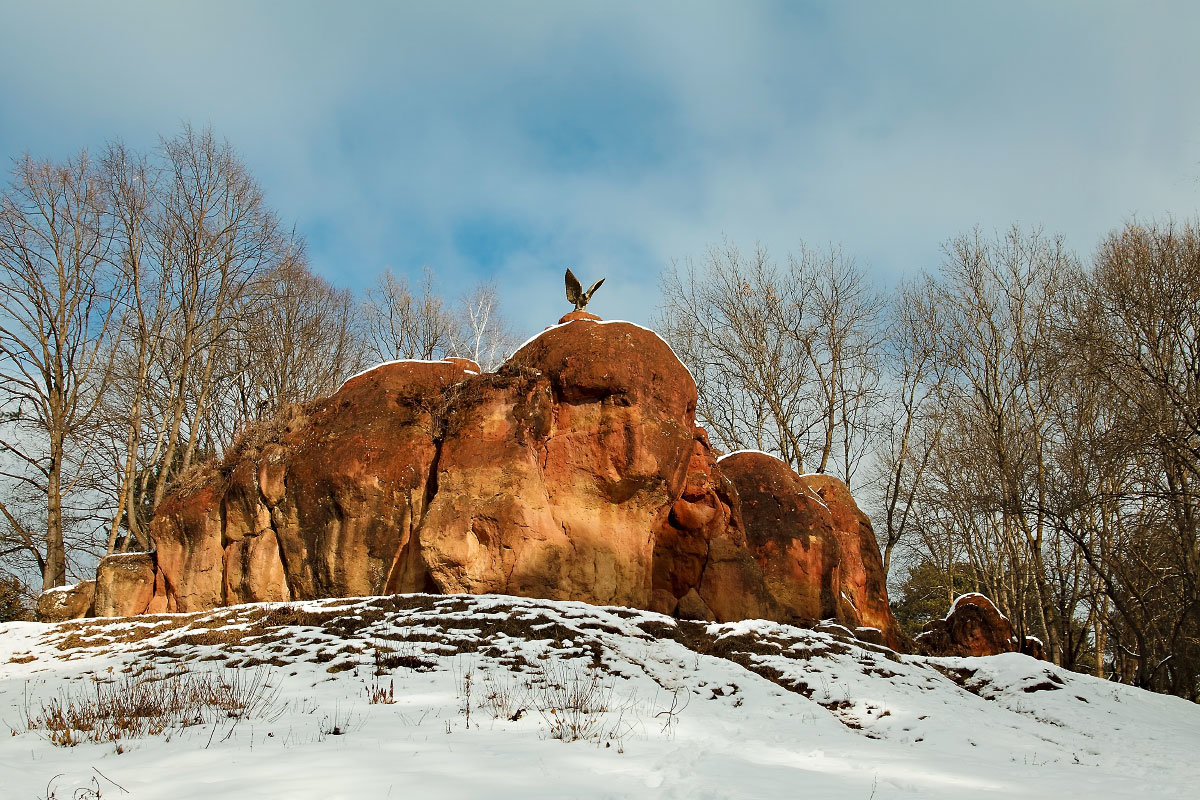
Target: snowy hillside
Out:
[462,697]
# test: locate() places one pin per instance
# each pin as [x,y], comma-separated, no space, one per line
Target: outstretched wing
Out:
[588,295]
[574,289]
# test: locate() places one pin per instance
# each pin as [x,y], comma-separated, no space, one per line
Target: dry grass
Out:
[580,704]
[506,696]
[378,694]
[576,702]
[150,702]
[249,442]
[194,478]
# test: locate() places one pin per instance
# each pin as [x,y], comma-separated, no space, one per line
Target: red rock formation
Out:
[703,568]
[613,460]
[128,584]
[974,627]
[1033,647]
[790,533]
[816,548]
[489,526]
[573,472]
[862,585]
[321,504]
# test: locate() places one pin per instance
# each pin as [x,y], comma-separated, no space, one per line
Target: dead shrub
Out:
[249,442]
[151,702]
[193,479]
[505,696]
[378,694]
[577,703]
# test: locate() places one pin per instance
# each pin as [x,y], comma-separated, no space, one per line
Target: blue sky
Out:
[508,140]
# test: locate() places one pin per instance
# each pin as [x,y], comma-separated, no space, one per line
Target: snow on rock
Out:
[382,364]
[974,627]
[743,709]
[66,602]
[975,598]
[758,452]
[550,328]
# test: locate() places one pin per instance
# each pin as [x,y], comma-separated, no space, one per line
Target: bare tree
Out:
[786,359]
[1130,500]
[58,314]
[131,184]
[401,325]
[993,433]
[216,240]
[482,334]
[721,319]
[221,322]
[843,340]
[300,345]
[911,426]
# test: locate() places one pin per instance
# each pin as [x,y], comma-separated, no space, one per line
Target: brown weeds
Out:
[151,702]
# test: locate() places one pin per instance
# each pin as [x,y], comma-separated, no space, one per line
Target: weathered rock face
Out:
[816,548]
[325,505]
[615,457]
[703,568]
[553,473]
[129,584]
[574,472]
[862,585]
[974,627]
[67,602]
[545,479]
[790,534]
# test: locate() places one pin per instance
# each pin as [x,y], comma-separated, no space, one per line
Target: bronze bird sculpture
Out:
[575,292]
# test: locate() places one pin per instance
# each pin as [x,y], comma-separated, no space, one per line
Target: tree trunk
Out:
[55,572]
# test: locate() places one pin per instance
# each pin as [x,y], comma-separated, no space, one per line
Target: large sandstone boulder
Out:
[545,479]
[554,473]
[575,472]
[974,627]
[347,489]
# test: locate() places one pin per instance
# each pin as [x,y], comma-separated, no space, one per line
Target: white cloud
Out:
[616,137]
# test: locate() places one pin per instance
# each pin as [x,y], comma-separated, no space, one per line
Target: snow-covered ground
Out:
[663,709]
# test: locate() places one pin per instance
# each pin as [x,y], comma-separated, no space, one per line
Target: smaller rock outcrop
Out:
[66,602]
[129,584]
[1033,647]
[790,532]
[814,545]
[974,627]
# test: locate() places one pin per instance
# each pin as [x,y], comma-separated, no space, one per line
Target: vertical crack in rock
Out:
[273,523]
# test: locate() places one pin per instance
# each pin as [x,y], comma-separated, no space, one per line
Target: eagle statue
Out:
[575,292]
